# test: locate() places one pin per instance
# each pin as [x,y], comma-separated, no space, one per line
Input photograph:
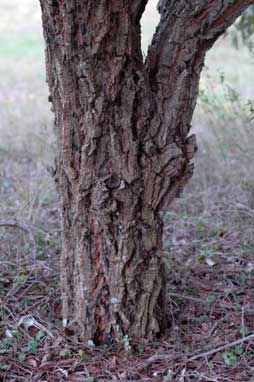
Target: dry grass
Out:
[209,231]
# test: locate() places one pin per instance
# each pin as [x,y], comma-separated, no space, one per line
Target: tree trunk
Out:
[122,149]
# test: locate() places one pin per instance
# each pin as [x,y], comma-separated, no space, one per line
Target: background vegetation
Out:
[209,232]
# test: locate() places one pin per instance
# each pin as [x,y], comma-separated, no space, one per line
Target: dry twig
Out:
[168,357]
[220,348]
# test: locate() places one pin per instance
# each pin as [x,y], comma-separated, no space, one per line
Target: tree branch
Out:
[187,30]
[202,19]
[220,15]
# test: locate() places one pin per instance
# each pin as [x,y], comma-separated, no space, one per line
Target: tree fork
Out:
[123,150]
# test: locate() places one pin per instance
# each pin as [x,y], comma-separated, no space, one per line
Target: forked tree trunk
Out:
[123,151]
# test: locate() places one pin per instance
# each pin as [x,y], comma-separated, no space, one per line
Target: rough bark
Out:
[123,151]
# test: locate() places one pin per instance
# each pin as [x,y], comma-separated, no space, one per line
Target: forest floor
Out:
[208,241]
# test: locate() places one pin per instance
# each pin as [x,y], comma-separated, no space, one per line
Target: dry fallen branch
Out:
[24,227]
[168,357]
[17,287]
[220,348]
[160,357]
[190,298]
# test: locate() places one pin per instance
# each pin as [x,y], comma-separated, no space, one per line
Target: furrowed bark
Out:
[187,30]
[137,8]
[123,151]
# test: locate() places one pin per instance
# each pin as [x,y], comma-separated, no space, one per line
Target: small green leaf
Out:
[7,342]
[126,343]
[22,357]
[91,344]
[32,347]
[229,358]
[210,299]
[4,366]
[238,350]
[168,376]
[140,348]
[21,278]
[249,356]
[82,355]
[90,379]
[40,335]
[65,353]
[242,279]
[17,334]
[245,330]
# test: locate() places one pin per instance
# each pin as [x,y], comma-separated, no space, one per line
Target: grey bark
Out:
[123,150]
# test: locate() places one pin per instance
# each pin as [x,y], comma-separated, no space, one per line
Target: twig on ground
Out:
[16,287]
[220,348]
[184,297]
[24,227]
[160,357]
[168,357]
[205,302]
